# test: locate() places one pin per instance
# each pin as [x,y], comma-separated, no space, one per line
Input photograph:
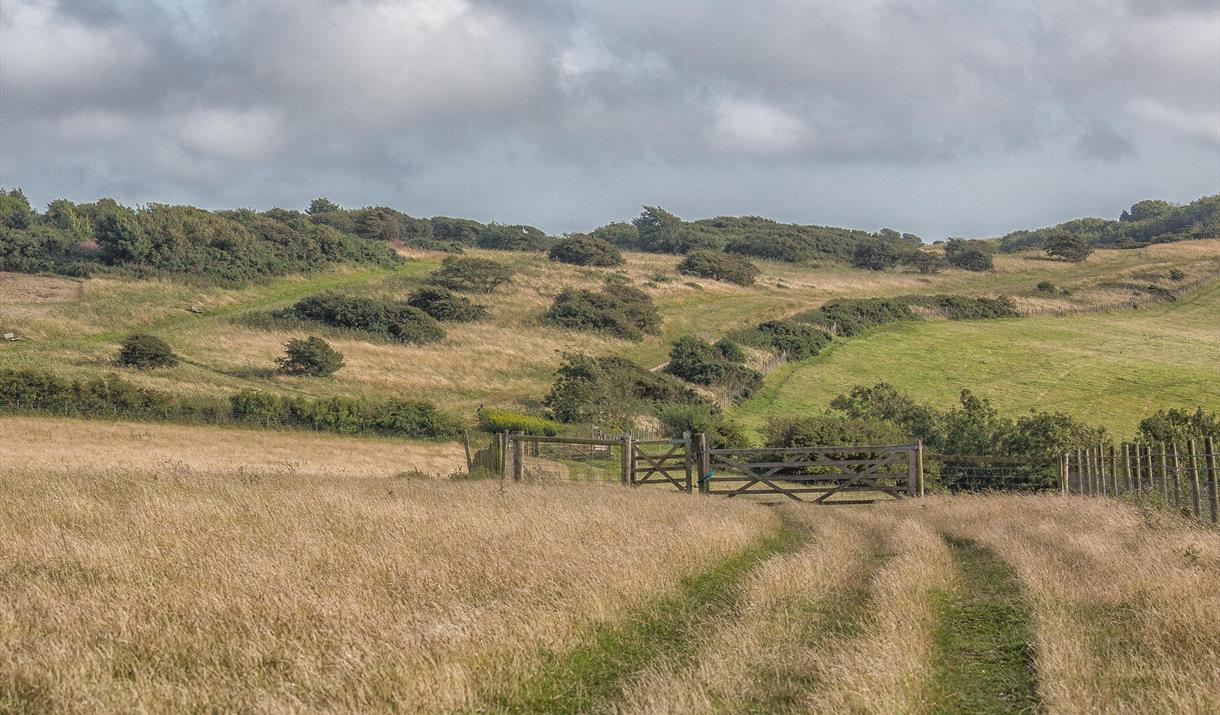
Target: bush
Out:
[493,420]
[444,305]
[1068,246]
[1177,425]
[624,235]
[1046,287]
[471,275]
[830,431]
[731,351]
[312,357]
[849,316]
[719,266]
[383,318]
[875,255]
[963,307]
[925,262]
[796,340]
[721,433]
[513,238]
[462,231]
[618,310]
[611,390]
[969,255]
[582,250]
[1176,274]
[146,351]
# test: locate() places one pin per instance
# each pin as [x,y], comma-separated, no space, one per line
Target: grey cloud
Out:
[567,113]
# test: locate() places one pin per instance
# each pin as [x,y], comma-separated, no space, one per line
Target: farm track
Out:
[591,677]
[983,661]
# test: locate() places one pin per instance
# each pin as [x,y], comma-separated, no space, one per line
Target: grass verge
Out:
[983,661]
[593,673]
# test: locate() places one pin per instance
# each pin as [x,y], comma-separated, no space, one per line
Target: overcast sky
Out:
[937,117]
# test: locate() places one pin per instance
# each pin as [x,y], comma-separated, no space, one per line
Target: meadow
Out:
[147,590]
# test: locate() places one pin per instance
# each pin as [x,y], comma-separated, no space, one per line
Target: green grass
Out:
[591,675]
[983,661]
[1111,368]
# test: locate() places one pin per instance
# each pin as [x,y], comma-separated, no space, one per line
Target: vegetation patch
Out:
[146,351]
[720,267]
[612,391]
[580,249]
[618,310]
[386,319]
[983,661]
[848,316]
[797,340]
[494,420]
[471,275]
[445,305]
[965,307]
[310,357]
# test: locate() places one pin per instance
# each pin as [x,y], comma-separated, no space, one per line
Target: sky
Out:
[936,117]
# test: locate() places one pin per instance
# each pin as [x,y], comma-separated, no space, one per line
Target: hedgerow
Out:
[965,307]
[695,360]
[382,318]
[444,305]
[612,390]
[849,316]
[494,420]
[797,340]
[41,391]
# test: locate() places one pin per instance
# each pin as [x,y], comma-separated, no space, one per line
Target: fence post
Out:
[466,446]
[1101,471]
[518,457]
[625,449]
[1164,477]
[502,454]
[1118,490]
[1127,466]
[705,462]
[919,490]
[1151,470]
[1194,477]
[1139,469]
[1090,474]
[1063,475]
[1213,489]
[1177,476]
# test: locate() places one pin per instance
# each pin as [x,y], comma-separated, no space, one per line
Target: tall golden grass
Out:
[152,592]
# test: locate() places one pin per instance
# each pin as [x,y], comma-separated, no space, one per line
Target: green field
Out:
[1110,368]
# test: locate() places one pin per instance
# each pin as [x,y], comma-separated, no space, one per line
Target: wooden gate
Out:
[863,473]
[663,461]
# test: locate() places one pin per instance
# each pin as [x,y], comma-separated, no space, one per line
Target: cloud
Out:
[565,113]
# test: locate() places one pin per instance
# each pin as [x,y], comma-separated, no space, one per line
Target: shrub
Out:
[462,231]
[513,238]
[1177,425]
[146,351]
[719,266]
[493,420]
[721,433]
[849,316]
[925,262]
[731,351]
[1046,287]
[662,232]
[695,360]
[383,318]
[875,255]
[796,340]
[969,255]
[619,310]
[830,431]
[582,250]
[611,390]
[963,307]
[1068,246]
[624,235]
[312,357]
[444,305]
[471,275]
[1176,274]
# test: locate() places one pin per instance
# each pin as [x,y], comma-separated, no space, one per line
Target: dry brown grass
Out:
[70,445]
[124,591]
[1124,600]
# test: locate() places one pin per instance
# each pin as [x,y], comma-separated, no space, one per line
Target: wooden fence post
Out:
[1092,475]
[1164,478]
[1139,469]
[1213,489]
[626,448]
[1063,477]
[466,445]
[1177,476]
[1151,471]
[518,457]
[1193,466]
[686,463]
[502,453]
[1118,490]
[705,463]
[1101,472]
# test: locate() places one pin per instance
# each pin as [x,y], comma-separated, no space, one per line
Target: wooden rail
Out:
[1179,477]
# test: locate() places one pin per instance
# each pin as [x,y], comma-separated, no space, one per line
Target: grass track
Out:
[592,675]
[983,662]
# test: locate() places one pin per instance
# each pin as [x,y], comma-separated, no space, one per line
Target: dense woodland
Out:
[243,245]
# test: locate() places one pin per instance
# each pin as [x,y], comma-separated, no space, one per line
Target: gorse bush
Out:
[830,431]
[1146,222]
[311,357]
[925,262]
[513,238]
[1046,287]
[970,255]
[796,339]
[583,250]
[611,391]
[493,420]
[695,360]
[387,319]
[719,266]
[965,307]
[618,310]
[471,275]
[444,305]
[45,392]
[721,433]
[876,255]
[1070,247]
[1178,425]
[146,351]
[849,316]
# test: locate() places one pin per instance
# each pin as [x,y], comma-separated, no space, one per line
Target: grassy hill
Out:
[1111,368]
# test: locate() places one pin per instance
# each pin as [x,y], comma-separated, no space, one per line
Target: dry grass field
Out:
[74,445]
[153,591]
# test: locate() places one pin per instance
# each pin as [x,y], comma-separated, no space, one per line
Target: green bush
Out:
[1046,287]
[583,250]
[493,420]
[721,433]
[618,310]
[963,307]
[796,340]
[830,431]
[849,316]
[146,351]
[624,235]
[719,266]
[970,255]
[513,238]
[383,318]
[471,275]
[876,255]
[1178,425]
[611,391]
[444,305]
[695,360]
[1176,274]
[731,351]
[925,262]
[461,231]
[311,357]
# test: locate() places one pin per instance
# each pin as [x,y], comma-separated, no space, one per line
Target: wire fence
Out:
[1180,477]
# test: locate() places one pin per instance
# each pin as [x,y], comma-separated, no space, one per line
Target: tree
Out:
[473,275]
[322,205]
[1146,209]
[312,357]
[875,254]
[1068,246]
[969,255]
[584,250]
[719,266]
[120,235]
[146,351]
[925,262]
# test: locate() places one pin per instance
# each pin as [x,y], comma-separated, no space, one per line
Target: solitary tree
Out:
[145,351]
[312,357]
[1068,246]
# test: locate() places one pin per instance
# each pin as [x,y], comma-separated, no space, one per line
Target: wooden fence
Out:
[863,473]
[1180,477]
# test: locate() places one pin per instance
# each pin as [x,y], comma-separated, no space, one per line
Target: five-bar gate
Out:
[822,475]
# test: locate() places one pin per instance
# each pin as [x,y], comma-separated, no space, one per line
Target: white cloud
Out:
[755,127]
